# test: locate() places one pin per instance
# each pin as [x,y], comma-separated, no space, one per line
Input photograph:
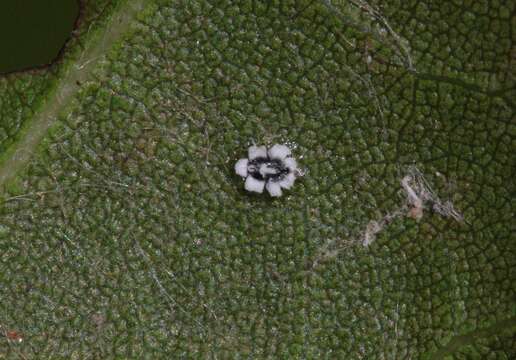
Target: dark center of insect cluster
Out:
[267,169]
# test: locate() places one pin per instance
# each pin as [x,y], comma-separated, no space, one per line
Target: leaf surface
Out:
[125,231]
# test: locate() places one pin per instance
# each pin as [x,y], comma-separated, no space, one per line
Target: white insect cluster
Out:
[273,169]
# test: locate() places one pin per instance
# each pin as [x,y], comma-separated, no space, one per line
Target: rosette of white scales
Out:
[272,169]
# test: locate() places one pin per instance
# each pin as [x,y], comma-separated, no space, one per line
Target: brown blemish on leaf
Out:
[14,336]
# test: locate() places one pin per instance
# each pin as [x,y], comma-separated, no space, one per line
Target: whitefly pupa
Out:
[272,169]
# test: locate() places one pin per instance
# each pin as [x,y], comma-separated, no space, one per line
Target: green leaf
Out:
[124,231]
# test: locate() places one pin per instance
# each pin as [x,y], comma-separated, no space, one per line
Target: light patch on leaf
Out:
[419,197]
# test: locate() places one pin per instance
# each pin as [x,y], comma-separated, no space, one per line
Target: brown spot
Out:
[98,319]
[415,213]
[14,336]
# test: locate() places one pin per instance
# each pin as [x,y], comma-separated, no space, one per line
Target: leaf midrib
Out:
[19,154]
